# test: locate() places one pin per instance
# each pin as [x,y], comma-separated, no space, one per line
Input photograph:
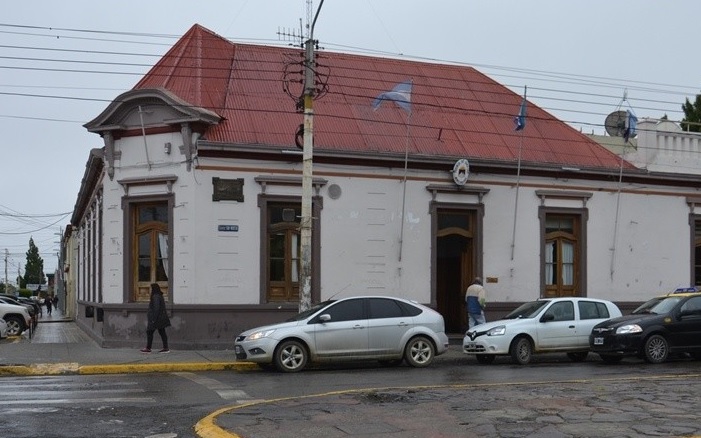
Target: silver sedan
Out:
[387,329]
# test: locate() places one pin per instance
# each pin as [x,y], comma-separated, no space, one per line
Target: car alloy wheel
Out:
[291,356]
[656,349]
[419,352]
[521,351]
[14,326]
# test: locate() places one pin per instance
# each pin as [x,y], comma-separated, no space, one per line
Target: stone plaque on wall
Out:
[227,189]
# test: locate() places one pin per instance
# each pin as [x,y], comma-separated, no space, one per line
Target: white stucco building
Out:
[198,182]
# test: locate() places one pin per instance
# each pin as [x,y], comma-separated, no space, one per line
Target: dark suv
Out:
[669,324]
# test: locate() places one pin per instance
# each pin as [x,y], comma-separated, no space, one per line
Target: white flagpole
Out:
[518,181]
[402,97]
[620,183]
[618,204]
[406,159]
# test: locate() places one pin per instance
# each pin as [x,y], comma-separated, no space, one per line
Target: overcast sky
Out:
[578,58]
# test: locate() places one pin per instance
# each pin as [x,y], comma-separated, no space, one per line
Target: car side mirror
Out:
[325,317]
[547,317]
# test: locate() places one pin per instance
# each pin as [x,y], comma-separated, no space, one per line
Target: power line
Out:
[541,75]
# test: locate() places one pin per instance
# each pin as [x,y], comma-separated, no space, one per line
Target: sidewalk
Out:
[59,346]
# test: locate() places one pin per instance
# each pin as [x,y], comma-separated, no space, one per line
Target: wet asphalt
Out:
[647,405]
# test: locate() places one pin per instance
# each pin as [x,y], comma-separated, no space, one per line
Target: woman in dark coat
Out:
[157,319]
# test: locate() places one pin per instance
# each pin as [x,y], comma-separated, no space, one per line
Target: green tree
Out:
[692,115]
[34,269]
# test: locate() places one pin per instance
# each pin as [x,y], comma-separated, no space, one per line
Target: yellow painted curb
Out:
[206,427]
[40,369]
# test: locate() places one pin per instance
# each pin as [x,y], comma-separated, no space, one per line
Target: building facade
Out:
[198,187]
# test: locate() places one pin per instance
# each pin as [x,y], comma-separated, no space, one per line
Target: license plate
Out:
[470,345]
[598,341]
[237,349]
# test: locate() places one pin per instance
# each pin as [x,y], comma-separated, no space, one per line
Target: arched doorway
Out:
[456,263]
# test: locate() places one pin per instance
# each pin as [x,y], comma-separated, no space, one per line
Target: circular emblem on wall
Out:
[461,170]
[334,191]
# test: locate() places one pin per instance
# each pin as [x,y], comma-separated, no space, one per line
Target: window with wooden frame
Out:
[562,255]
[283,238]
[280,248]
[150,248]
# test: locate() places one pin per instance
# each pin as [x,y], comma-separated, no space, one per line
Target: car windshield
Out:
[658,305]
[307,313]
[527,310]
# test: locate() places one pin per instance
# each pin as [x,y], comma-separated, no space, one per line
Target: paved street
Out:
[590,399]
[650,407]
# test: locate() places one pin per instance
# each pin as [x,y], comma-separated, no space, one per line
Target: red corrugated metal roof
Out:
[456,111]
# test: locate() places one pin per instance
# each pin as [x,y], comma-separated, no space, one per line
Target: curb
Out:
[72,368]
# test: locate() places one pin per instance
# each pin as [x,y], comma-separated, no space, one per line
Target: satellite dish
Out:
[615,123]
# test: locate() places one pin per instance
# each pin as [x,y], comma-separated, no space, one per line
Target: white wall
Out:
[360,231]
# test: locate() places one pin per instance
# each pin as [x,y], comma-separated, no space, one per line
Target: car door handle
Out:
[358,327]
[571,326]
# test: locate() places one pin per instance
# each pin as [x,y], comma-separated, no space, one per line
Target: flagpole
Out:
[615,224]
[618,204]
[400,95]
[518,174]
[630,125]
[518,183]
[406,159]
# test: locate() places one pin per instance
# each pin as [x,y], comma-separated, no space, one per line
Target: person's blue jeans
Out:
[476,319]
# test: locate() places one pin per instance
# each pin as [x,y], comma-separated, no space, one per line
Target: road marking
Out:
[62,401]
[47,391]
[224,391]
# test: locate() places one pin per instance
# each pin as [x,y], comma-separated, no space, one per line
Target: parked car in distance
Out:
[3,329]
[542,326]
[9,299]
[21,301]
[387,329]
[16,317]
[31,302]
[664,325]
[30,308]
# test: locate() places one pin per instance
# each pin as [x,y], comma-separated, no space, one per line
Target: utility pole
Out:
[305,296]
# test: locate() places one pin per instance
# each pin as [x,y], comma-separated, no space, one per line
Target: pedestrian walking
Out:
[47,302]
[157,319]
[54,301]
[475,302]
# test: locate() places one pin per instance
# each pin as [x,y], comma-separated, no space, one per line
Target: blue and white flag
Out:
[400,94]
[631,125]
[520,119]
